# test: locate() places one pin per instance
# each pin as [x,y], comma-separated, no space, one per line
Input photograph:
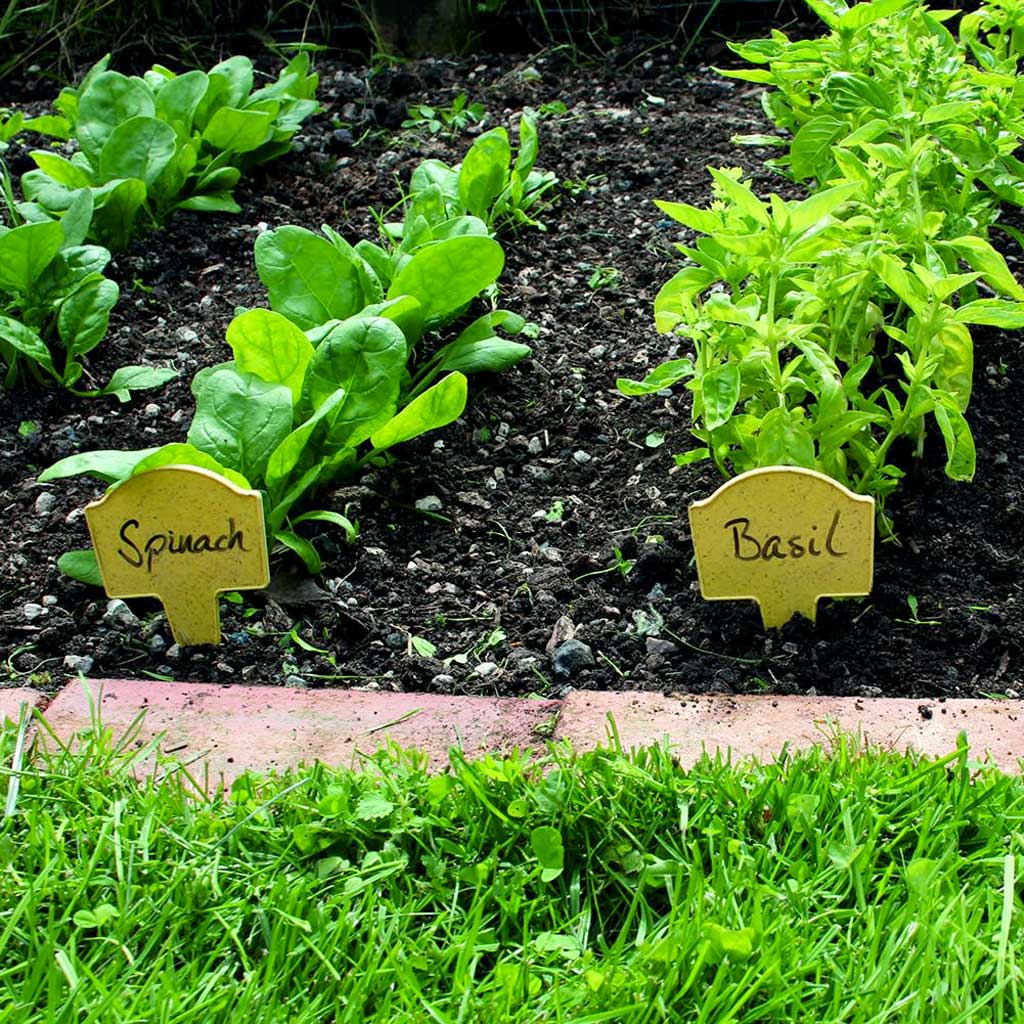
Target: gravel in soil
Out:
[541,542]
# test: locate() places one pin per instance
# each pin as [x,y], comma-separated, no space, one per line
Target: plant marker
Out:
[180,534]
[783,537]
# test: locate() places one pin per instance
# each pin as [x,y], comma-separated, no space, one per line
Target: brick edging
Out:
[222,730]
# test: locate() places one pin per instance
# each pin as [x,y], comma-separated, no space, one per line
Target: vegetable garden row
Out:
[831,331]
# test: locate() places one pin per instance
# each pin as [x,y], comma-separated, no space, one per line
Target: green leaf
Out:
[735,944]
[81,565]
[373,806]
[980,256]
[446,275]
[110,465]
[215,202]
[921,875]
[436,407]
[140,147]
[674,302]
[85,313]
[903,286]
[25,252]
[962,111]
[302,547]
[692,456]
[272,347]
[287,454]
[810,212]
[364,357]
[178,99]
[784,440]
[117,207]
[60,169]
[705,221]
[237,74]
[720,391]
[742,196]
[661,377]
[179,454]
[308,280]
[546,843]
[107,101]
[26,342]
[478,349]
[238,131]
[992,313]
[127,379]
[955,373]
[811,149]
[484,172]
[852,92]
[240,420]
[334,518]
[961,457]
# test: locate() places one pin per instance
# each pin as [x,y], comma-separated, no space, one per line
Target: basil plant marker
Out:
[783,537]
[181,534]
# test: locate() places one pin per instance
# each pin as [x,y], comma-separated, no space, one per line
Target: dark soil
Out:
[549,487]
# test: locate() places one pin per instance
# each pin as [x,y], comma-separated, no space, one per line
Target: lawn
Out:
[840,884]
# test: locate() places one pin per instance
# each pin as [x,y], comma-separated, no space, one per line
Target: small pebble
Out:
[570,657]
[32,611]
[152,410]
[297,681]
[46,503]
[431,503]
[186,334]
[118,614]
[81,663]
[485,669]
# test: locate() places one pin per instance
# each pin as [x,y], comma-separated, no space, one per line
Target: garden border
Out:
[228,729]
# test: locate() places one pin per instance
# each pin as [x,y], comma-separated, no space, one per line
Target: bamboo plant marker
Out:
[783,537]
[183,535]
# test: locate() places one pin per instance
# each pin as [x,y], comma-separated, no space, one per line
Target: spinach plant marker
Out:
[783,537]
[181,534]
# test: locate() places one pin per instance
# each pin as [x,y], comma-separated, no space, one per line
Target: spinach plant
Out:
[55,302]
[333,375]
[150,145]
[488,184]
[288,417]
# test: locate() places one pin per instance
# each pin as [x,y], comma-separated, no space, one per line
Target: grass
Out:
[824,887]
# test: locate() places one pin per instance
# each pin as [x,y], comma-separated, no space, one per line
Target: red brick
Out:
[235,728]
[759,725]
[11,701]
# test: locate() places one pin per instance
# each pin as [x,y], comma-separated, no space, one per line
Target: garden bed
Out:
[543,497]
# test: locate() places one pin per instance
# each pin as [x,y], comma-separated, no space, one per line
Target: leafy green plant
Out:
[333,375]
[55,303]
[994,33]
[150,145]
[815,345]
[827,329]
[489,184]
[455,118]
[888,92]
